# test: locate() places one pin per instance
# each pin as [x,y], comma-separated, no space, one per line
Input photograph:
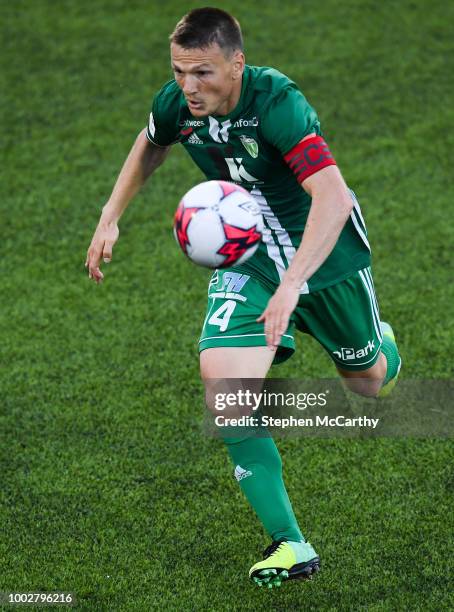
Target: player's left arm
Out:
[331,206]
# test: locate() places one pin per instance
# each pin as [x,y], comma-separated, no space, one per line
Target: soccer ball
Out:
[218,224]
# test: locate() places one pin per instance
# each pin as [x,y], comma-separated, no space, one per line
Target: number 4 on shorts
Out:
[221,316]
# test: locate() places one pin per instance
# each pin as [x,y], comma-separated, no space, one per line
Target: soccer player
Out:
[252,126]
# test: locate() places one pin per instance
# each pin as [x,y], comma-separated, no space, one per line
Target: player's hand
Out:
[278,311]
[104,238]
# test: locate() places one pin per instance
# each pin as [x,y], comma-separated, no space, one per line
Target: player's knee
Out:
[232,398]
[209,375]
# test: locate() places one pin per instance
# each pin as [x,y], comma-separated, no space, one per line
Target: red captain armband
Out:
[308,157]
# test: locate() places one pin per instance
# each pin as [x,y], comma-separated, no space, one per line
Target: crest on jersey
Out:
[250,145]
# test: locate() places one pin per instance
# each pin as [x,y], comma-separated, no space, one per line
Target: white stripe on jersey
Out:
[238,336]
[272,223]
[358,220]
[371,285]
[358,209]
[375,318]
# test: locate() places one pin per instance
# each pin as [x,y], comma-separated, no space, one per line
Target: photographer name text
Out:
[291,421]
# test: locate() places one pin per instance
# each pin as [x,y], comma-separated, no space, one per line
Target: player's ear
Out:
[237,65]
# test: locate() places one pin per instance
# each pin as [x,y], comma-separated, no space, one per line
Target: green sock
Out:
[258,469]
[390,351]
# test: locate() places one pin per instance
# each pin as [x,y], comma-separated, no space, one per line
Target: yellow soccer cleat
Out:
[285,560]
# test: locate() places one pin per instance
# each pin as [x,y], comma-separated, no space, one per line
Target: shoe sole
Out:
[274,577]
[304,570]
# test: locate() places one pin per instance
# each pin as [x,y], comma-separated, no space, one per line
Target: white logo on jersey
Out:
[346,353]
[238,172]
[246,122]
[151,126]
[219,131]
[194,139]
[241,473]
[191,123]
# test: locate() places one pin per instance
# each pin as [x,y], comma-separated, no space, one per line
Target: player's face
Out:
[210,81]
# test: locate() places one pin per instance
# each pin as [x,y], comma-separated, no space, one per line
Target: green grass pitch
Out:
[108,488]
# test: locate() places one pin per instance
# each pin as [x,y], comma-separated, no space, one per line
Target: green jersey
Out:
[247,147]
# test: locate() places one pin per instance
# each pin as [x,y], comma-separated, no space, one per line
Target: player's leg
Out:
[230,328]
[345,319]
[258,468]
[256,460]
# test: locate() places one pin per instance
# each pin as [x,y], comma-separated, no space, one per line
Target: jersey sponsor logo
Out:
[191,123]
[250,145]
[219,131]
[151,126]
[194,139]
[246,122]
[238,172]
[346,353]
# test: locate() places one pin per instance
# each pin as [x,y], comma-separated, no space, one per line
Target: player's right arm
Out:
[142,161]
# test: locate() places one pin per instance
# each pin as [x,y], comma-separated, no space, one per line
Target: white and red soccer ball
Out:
[218,224]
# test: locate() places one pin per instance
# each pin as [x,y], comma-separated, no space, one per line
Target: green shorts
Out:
[344,318]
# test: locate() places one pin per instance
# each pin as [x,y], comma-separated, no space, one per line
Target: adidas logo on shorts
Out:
[194,139]
[241,473]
